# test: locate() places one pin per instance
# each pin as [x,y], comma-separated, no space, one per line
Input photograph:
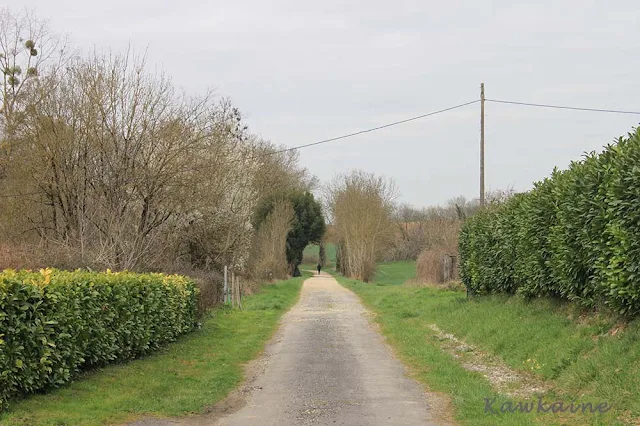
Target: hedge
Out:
[53,324]
[575,236]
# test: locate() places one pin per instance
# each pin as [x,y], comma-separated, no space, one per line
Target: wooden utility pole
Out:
[482,201]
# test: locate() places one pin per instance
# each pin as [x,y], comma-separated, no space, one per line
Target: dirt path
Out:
[326,366]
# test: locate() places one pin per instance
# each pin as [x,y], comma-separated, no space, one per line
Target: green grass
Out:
[312,251]
[394,273]
[578,358]
[185,377]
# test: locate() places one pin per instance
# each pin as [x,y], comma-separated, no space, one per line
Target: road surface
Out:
[330,367]
[326,365]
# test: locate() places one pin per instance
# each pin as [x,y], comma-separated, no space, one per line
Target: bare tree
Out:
[119,166]
[361,207]
[269,250]
[109,165]
[27,49]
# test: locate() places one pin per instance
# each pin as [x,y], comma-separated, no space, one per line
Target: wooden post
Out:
[455,275]
[445,268]
[226,286]
[448,263]
[482,200]
[231,289]
[235,291]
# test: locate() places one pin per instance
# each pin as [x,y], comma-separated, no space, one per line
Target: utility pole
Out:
[482,201]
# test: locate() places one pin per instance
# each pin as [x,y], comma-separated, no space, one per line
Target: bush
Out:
[576,235]
[429,266]
[442,237]
[54,323]
[310,259]
[210,285]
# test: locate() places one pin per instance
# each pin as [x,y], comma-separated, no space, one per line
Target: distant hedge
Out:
[576,235]
[55,323]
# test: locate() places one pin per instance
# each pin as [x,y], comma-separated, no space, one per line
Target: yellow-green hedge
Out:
[55,323]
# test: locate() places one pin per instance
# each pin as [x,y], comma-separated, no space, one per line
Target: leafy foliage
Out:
[576,235]
[55,323]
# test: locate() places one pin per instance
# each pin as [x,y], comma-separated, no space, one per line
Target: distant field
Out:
[395,273]
[387,273]
[311,255]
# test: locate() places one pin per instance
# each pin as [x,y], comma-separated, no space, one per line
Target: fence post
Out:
[445,268]
[236,296]
[233,279]
[226,286]
[238,291]
[233,289]
[455,275]
[449,264]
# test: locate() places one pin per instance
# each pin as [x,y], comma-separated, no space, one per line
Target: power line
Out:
[373,129]
[359,132]
[613,111]
[395,123]
[438,112]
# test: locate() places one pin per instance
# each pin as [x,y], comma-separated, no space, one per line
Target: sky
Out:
[303,71]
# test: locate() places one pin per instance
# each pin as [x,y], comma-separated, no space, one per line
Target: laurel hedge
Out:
[575,236]
[53,324]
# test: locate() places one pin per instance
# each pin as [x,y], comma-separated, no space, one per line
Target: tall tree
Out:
[26,48]
[361,207]
[308,226]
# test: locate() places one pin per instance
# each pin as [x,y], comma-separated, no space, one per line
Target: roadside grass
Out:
[197,371]
[578,356]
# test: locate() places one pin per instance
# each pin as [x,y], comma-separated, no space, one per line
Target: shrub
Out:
[429,266]
[54,323]
[310,258]
[210,285]
[576,235]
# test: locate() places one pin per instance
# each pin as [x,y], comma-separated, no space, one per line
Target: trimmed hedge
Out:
[55,323]
[576,235]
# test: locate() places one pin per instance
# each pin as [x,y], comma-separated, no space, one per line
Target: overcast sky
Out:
[302,71]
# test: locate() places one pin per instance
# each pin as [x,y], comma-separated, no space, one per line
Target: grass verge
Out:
[185,377]
[581,359]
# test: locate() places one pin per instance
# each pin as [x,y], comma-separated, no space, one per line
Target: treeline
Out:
[575,236]
[420,229]
[104,164]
